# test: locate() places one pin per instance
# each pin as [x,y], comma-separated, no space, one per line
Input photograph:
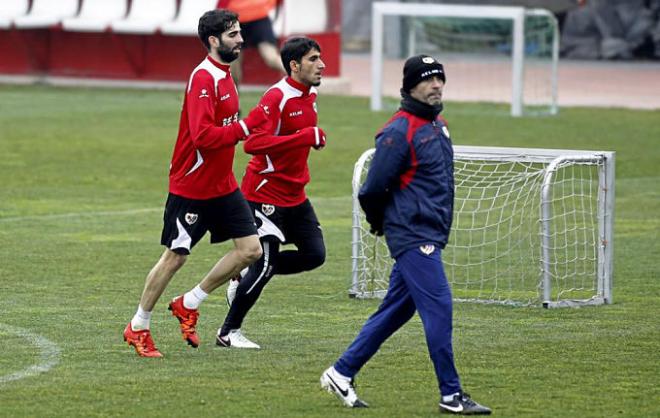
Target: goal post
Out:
[446,46]
[531,227]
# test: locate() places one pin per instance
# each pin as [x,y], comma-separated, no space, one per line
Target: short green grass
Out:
[83,179]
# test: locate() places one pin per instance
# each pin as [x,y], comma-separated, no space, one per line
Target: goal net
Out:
[530,227]
[492,53]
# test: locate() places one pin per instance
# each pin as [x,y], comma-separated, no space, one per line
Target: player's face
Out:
[429,91]
[311,68]
[230,43]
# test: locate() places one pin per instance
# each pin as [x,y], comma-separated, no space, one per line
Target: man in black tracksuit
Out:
[409,196]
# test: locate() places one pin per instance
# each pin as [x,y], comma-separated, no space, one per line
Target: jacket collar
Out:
[298,86]
[223,67]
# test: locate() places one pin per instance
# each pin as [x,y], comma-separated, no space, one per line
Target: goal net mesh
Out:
[477,55]
[494,253]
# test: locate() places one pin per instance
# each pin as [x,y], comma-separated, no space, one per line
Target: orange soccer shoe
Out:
[187,320]
[141,340]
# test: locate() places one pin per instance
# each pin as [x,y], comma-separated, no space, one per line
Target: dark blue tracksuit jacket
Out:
[409,191]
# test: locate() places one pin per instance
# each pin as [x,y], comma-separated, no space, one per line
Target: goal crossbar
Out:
[515,14]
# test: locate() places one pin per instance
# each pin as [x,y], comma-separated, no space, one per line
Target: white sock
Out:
[194,298]
[449,398]
[141,320]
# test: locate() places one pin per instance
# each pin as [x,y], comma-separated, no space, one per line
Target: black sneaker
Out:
[462,404]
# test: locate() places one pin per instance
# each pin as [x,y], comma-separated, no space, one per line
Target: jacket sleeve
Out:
[388,163]
[264,140]
[204,132]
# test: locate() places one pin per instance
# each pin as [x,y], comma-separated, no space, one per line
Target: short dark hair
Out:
[296,48]
[214,23]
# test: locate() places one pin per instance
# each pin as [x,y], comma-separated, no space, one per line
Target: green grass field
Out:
[83,180]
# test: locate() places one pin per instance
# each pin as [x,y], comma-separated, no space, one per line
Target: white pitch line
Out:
[49,354]
[80,214]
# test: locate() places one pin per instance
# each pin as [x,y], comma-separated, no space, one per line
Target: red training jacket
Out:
[209,129]
[278,172]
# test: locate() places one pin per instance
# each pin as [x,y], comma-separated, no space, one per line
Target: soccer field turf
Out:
[84,178]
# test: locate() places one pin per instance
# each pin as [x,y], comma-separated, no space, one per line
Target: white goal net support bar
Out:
[516,15]
[531,227]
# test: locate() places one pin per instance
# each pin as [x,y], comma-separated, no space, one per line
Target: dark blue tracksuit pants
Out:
[418,282]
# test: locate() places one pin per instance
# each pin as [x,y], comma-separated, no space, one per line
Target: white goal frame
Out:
[515,14]
[552,159]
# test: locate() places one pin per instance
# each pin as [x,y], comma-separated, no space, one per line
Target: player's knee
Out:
[251,253]
[255,254]
[174,261]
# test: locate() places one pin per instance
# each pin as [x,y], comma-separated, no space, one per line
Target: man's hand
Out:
[376,226]
[257,117]
[315,136]
[373,206]
[376,231]
[321,139]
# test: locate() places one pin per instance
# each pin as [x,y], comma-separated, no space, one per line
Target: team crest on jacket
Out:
[267,209]
[191,218]
[427,249]
[204,93]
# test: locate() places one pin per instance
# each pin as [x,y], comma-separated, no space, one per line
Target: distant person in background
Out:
[409,197]
[257,31]
[203,193]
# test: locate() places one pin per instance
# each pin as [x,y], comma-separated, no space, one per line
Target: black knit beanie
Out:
[418,68]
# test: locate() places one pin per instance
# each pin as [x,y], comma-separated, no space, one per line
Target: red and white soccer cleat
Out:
[142,341]
[187,320]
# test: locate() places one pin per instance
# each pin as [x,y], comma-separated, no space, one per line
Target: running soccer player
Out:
[274,185]
[203,192]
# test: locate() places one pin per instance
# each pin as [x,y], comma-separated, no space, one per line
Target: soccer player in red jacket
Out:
[203,193]
[274,184]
